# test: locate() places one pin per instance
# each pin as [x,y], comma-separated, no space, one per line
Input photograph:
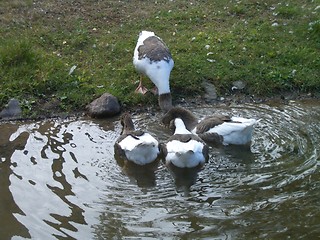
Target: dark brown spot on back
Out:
[155,49]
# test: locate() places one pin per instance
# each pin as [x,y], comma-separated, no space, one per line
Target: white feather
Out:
[158,72]
[142,150]
[187,154]
[238,132]
[143,35]
[180,127]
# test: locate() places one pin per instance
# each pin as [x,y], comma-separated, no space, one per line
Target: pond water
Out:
[59,180]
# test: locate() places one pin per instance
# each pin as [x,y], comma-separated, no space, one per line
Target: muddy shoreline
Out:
[192,102]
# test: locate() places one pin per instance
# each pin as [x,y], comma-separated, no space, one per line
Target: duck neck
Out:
[127,124]
[162,82]
[180,127]
[165,102]
[190,120]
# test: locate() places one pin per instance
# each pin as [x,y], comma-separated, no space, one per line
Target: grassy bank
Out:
[272,46]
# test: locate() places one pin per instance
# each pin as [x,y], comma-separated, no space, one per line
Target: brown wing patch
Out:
[211,122]
[154,49]
[184,137]
[213,139]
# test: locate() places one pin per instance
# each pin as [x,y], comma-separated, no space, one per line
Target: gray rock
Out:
[238,85]
[12,110]
[210,91]
[105,106]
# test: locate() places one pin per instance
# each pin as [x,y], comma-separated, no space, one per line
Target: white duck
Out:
[216,129]
[184,149]
[153,59]
[136,146]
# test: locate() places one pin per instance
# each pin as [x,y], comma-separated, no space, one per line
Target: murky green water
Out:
[59,180]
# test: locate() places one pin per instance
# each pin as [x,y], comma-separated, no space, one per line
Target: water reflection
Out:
[144,175]
[8,207]
[184,178]
[50,170]
[59,179]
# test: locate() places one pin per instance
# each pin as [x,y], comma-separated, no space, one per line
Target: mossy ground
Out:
[272,46]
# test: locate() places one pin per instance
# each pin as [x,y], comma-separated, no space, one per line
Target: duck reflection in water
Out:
[184,178]
[137,152]
[143,176]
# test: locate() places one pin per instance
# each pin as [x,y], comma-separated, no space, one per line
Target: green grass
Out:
[273,47]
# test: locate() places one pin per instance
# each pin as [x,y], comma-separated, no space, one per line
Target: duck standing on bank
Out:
[136,146]
[215,129]
[184,149]
[153,59]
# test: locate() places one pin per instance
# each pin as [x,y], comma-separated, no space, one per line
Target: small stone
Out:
[238,85]
[12,110]
[105,106]
[210,91]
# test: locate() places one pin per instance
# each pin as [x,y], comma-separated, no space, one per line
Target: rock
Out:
[238,85]
[210,91]
[12,110]
[105,106]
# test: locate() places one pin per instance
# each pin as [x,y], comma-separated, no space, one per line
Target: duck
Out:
[135,146]
[184,149]
[153,59]
[215,129]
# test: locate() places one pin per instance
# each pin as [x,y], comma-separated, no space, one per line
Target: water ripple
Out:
[65,183]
